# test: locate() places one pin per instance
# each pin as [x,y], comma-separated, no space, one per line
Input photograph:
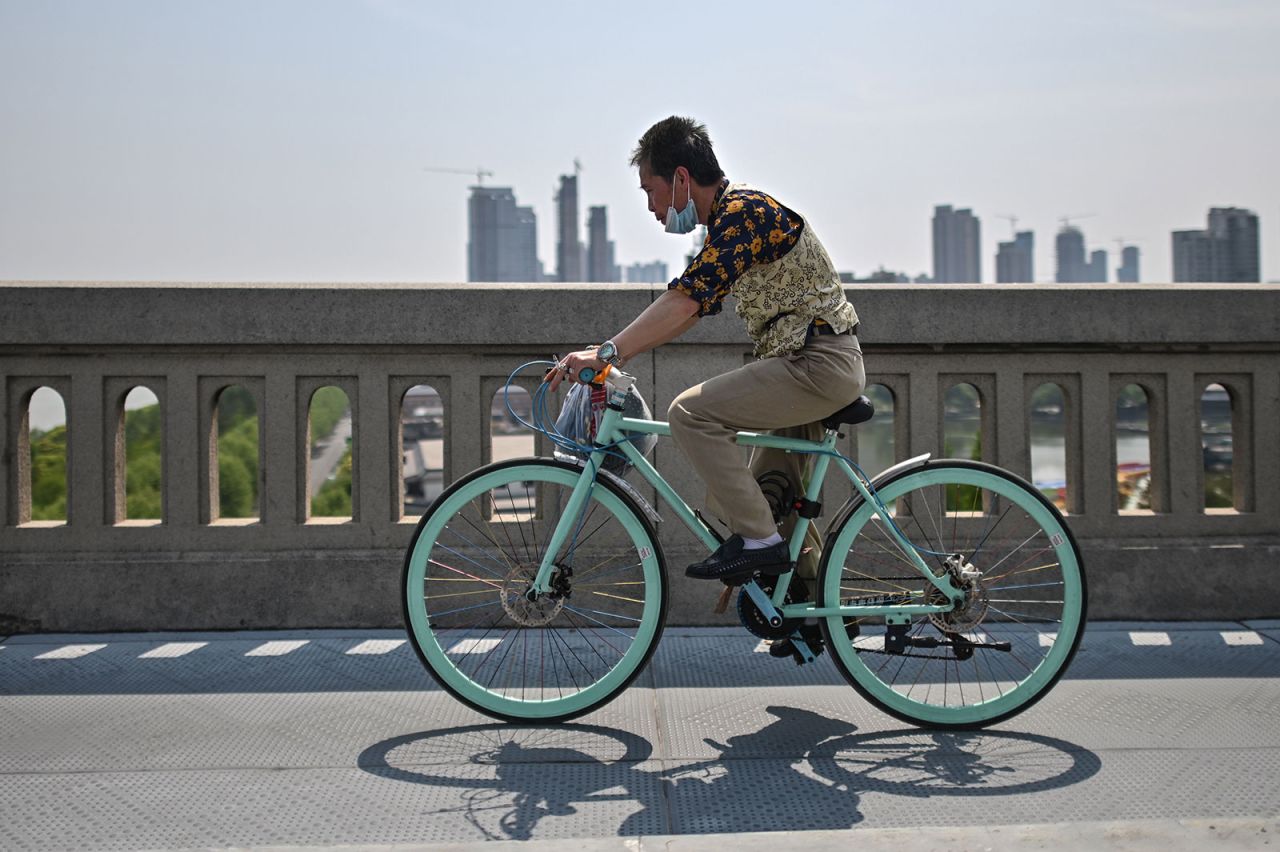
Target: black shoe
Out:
[732,564]
[812,636]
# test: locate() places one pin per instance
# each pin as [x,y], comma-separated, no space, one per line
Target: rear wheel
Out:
[1005,645]
[555,656]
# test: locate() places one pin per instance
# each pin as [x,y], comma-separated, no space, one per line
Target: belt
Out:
[815,330]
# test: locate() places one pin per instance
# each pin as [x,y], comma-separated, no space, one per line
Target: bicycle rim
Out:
[1020,623]
[471,561]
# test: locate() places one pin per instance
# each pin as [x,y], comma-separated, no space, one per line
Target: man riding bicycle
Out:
[804,332]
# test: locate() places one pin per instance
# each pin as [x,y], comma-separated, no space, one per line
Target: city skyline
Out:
[243,141]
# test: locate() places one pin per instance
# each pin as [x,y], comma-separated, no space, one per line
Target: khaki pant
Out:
[788,395]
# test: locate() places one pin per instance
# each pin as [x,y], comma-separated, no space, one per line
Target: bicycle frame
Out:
[614,427]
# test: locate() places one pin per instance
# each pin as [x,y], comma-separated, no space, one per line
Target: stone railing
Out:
[92,343]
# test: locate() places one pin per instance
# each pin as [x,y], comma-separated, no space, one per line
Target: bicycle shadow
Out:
[801,772]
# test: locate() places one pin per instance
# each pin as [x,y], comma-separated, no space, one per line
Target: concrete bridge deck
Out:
[1160,736]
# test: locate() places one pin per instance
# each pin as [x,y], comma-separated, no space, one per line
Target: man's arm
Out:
[669,316]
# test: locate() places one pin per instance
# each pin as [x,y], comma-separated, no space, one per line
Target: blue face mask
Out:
[684,221]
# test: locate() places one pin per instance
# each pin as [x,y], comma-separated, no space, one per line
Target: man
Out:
[804,330]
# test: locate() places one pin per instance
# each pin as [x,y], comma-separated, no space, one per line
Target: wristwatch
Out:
[608,353]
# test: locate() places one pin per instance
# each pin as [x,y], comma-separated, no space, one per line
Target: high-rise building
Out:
[1237,229]
[647,273]
[600,248]
[1127,272]
[502,240]
[1097,269]
[1015,260]
[1069,245]
[569,249]
[1072,267]
[956,244]
[1227,251]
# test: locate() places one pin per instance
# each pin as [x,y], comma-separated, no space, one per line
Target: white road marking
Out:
[1047,639]
[1241,637]
[474,646]
[377,646]
[277,649]
[69,652]
[172,649]
[1153,637]
[762,647]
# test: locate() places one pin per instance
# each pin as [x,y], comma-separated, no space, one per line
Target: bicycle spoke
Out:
[981,651]
[475,578]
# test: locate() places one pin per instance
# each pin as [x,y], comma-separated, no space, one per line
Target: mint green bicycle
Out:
[950,593]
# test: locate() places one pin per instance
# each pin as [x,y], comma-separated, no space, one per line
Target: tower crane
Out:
[480,173]
[1066,220]
[1013,221]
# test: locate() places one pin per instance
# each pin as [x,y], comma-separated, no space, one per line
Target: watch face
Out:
[607,351]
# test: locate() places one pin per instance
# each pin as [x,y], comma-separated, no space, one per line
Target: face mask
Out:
[684,221]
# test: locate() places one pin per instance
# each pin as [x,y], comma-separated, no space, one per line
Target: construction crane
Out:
[1013,221]
[1066,220]
[480,173]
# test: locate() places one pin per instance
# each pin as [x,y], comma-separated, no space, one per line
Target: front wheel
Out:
[997,652]
[518,657]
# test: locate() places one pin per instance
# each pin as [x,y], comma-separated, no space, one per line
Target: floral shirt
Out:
[747,227]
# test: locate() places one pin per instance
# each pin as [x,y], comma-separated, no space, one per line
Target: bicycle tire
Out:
[585,654]
[976,500]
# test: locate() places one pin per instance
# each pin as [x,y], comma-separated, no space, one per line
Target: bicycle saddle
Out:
[858,411]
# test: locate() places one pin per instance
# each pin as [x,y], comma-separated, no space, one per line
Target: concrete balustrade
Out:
[92,343]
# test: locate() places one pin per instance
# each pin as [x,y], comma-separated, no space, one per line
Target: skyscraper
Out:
[1227,251]
[654,272]
[1070,256]
[1237,231]
[502,240]
[569,249]
[1015,260]
[956,243]
[1127,272]
[1072,268]
[600,248]
[1098,266]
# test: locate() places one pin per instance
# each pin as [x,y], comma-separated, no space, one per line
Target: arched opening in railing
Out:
[1133,449]
[876,445]
[1048,441]
[330,453]
[1217,407]
[43,442]
[141,426]
[237,452]
[509,440]
[422,447]
[962,439]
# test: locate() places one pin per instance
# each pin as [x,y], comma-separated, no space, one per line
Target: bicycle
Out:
[535,589]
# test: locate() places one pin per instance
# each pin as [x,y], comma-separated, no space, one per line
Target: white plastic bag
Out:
[579,420]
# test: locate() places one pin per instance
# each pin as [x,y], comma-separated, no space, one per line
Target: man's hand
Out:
[570,365]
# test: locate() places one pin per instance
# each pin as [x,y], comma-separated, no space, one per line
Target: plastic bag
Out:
[579,421]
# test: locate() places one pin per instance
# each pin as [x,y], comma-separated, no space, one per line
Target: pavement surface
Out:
[1161,736]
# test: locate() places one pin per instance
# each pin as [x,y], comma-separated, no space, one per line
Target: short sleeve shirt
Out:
[746,227]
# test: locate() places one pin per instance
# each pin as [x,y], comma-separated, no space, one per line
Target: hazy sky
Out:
[284,140]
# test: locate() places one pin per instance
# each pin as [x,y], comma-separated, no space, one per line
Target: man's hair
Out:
[678,141]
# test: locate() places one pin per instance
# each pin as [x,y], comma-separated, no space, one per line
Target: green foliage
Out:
[333,500]
[328,404]
[1218,491]
[142,429]
[238,468]
[49,475]
[965,498]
